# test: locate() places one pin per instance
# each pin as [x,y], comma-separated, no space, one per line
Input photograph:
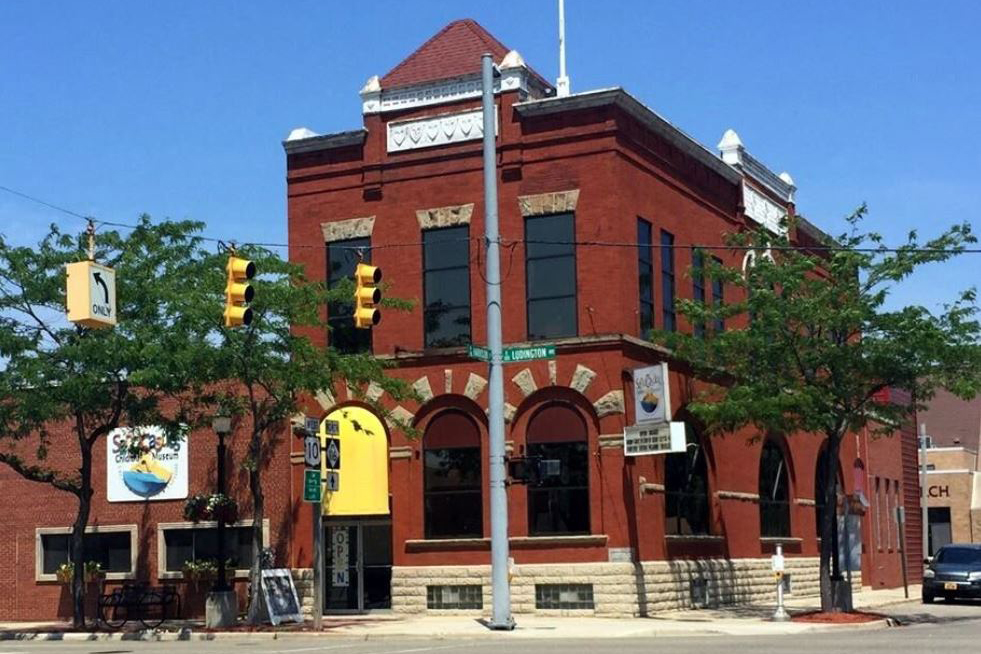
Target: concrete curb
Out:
[755,629]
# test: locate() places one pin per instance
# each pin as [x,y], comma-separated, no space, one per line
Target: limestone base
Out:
[619,589]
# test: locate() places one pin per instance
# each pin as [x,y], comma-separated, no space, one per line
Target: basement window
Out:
[455,597]
[564,596]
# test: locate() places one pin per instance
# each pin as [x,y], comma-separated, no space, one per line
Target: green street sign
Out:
[311,486]
[517,354]
[477,352]
[513,354]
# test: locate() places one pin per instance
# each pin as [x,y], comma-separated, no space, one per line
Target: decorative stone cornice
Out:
[803,501]
[444,216]
[341,230]
[607,441]
[546,203]
[432,131]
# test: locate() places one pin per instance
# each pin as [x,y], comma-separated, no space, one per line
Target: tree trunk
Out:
[835,593]
[78,534]
[258,508]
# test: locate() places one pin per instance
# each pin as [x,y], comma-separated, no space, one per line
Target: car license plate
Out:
[950,585]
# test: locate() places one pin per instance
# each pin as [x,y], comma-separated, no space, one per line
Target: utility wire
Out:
[512,243]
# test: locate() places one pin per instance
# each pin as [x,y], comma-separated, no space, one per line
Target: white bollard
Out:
[780,615]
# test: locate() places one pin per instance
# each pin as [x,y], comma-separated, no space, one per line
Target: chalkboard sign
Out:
[282,604]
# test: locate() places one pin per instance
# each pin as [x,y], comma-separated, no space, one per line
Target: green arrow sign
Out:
[311,486]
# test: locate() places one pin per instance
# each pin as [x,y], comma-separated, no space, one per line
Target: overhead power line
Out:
[512,243]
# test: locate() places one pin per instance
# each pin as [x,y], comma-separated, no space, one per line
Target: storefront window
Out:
[452,479]
[560,505]
[686,489]
[774,492]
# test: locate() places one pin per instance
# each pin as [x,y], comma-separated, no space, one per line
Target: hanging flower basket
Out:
[196,508]
[211,507]
[94,572]
[222,508]
[200,571]
[64,573]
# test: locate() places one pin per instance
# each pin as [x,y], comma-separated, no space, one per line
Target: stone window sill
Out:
[517,542]
[780,539]
[694,538]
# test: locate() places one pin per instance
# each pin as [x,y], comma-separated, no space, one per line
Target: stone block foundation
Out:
[618,589]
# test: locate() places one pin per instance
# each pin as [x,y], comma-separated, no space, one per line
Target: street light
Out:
[222,425]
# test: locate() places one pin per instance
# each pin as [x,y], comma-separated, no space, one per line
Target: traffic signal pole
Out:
[501,612]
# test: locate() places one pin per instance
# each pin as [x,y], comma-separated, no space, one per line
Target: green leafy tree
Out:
[56,377]
[270,368]
[818,345]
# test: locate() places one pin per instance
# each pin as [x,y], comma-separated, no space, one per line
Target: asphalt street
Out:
[943,627]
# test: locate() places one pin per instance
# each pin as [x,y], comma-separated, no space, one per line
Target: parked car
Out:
[955,571]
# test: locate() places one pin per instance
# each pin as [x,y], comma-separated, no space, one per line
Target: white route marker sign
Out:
[91,294]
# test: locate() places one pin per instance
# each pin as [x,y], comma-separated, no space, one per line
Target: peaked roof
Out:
[452,52]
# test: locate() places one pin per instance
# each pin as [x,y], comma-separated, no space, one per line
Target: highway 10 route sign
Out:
[91,294]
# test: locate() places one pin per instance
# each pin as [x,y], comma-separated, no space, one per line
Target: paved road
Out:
[945,628]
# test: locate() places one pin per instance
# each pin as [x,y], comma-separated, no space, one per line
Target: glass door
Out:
[358,566]
[343,589]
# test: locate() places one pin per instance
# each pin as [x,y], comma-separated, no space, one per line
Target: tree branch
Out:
[38,474]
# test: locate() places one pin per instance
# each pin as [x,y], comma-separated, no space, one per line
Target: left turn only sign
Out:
[91,294]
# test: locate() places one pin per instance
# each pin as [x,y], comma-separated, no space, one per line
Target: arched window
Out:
[560,505]
[452,498]
[774,492]
[820,475]
[686,489]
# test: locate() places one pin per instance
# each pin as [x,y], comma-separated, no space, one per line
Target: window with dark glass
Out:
[717,298]
[820,485]
[452,500]
[686,489]
[201,544]
[667,281]
[550,275]
[446,283]
[698,285]
[112,550]
[774,492]
[342,259]
[645,276]
[560,505]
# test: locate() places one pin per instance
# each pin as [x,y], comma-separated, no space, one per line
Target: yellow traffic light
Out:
[238,292]
[367,296]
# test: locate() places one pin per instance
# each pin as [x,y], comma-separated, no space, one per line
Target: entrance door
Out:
[938,517]
[358,566]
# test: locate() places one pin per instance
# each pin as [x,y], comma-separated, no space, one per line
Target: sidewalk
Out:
[742,620]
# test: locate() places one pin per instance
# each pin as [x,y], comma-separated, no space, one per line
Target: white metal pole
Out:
[780,615]
[501,616]
[562,84]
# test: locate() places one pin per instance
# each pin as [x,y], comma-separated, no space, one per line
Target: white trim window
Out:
[114,547]
[179,542]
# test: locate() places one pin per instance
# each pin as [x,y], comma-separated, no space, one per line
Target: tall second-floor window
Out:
[645,276]
[667,281]
[698,285]
[717,297]
[342,258]
[550,270]
[446,265]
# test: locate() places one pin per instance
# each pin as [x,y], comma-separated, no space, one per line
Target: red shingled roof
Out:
[454,51]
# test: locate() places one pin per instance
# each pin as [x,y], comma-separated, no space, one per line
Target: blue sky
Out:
[178,109]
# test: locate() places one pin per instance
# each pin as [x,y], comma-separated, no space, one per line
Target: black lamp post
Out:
[222,425]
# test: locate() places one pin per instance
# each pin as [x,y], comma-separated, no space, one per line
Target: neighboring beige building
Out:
[953,428]
[953,496]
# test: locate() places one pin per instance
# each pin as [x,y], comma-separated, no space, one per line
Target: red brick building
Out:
[606,533]
[611,534]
